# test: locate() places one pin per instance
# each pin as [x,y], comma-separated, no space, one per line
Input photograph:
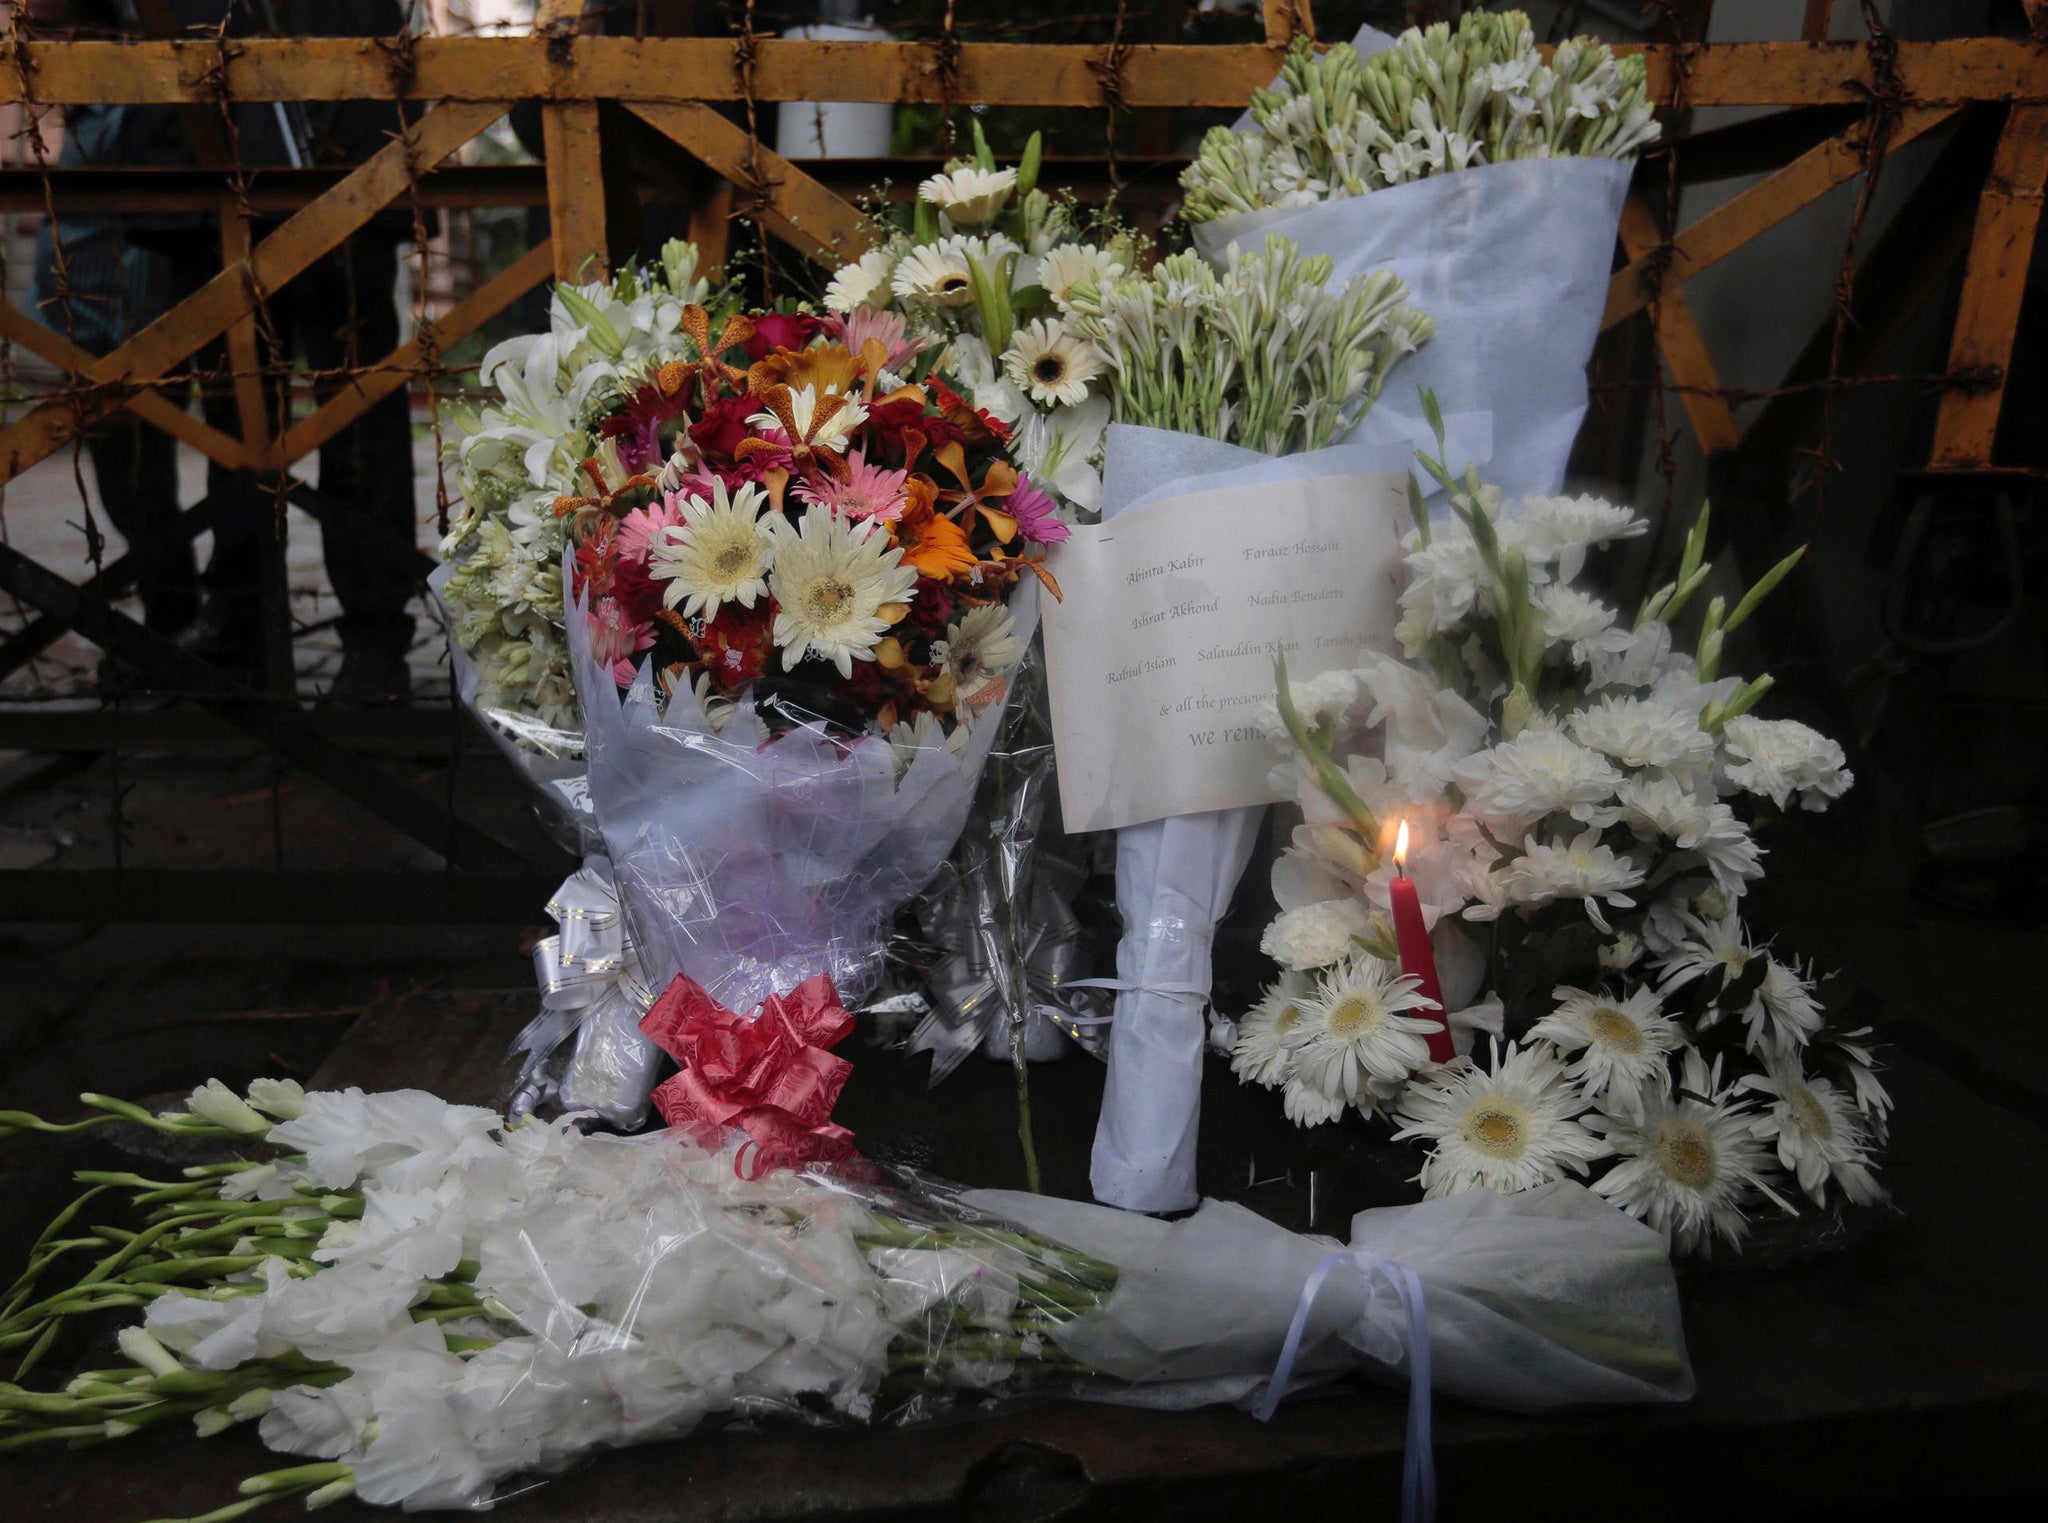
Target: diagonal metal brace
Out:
[280,727]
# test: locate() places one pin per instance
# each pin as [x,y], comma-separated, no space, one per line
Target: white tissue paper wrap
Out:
[752,864]
[1174,877]
[1549,1298]
[1512,262]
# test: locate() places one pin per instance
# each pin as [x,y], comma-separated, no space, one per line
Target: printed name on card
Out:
[1160,655]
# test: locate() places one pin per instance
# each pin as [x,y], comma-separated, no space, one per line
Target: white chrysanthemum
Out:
[832,579]
[1315,935]
[1073,264]
[969,197]
[979,647]
[1538,773]
[1355,1035]
[1509,1129]
[1640,733]
[1582,869]
[1621,1043]
[1664,807]
[1447,578]
[1622,953]
[1779,758]
[718,554]
[1324,696]
[1264,1050]
[1563,529]
[1690,1163]
[935,273]
[807,405]
[1580,621]
[864,283]
[1819,1136]
[1050,363]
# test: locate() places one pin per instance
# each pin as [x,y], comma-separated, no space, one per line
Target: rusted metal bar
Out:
[153,407]
[130,188]
[1813,26]
[234,293]
[1678,335]
[1725,229]
[2001,248]
[575,191]
[991,73]
[1288,19]
[370,386]
[792,205]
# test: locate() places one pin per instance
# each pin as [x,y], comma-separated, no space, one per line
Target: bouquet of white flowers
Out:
[1579,791]
[1213,375]
[428,1305]
[1489,180]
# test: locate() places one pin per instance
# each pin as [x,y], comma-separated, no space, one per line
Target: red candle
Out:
[1418,958]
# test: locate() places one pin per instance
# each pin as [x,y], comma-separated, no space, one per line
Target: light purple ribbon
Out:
[1418,1467]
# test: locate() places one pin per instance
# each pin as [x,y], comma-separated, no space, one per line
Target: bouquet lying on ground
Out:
[520,452]
[1580,788]
[984,275]
[1337,125]
[425,1303]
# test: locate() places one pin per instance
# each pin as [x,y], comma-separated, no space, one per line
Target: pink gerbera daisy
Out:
[868,491]
[863,323]
[615,639]
[640,530]
[1038,516]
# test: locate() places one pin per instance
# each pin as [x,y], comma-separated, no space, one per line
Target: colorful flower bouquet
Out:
[430,1308]
[802,571]
[1489,180]
[1582,793]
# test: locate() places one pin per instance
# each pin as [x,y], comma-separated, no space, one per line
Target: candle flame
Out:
[1401,845]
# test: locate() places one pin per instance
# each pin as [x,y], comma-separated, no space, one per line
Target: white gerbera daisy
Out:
[1050,363]
[1780,758]
[1264,1050]
[1538,773]
[807,405]
[979,647]
[968,196]
[1580,621]
[1784,1014]
[1654,806]
[935,273]
[1621,1041]
[924,733]
[1639,733]
[1715,948]
[864,283]
[1315,935]
[1818,1133]
[1511,1128]
[1859,1067]
[1563,529]
[1690,1163]
[1355,1037]
[1073,264]
[1305,1105]
[1580,869]
[718,554]
[831,581]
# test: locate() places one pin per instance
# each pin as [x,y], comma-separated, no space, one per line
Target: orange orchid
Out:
[737,330]
[818,425]
[934,545]
[825,368]
[999,481]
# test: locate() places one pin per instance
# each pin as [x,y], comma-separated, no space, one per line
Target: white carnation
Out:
[1781,758]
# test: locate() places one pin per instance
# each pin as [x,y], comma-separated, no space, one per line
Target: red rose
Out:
[781,330]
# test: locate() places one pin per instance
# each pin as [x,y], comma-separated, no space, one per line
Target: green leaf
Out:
[1435,414]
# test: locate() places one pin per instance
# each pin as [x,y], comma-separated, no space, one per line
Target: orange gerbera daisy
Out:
[935,545]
